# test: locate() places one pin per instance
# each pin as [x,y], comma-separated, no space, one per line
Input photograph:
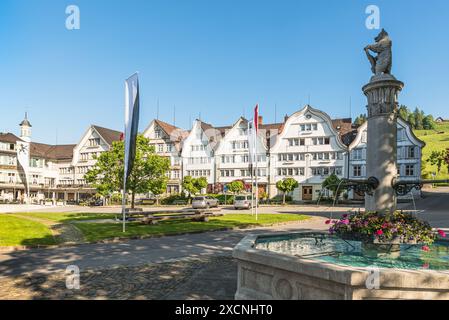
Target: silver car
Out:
[204,202]
[242,202]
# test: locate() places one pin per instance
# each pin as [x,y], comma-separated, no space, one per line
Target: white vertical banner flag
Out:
[23,158]
[132,106]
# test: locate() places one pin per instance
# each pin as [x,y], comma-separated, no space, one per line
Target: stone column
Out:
[382,94]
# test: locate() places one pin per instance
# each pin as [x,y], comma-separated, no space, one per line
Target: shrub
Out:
[172,198]
[370,226]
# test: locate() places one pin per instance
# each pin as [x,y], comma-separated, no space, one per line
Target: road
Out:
[433,208]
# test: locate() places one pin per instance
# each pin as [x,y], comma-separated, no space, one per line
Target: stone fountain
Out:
[309,265]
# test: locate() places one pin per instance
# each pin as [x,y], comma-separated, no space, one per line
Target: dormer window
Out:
[158,134]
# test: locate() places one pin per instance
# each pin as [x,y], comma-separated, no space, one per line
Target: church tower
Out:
[25,129]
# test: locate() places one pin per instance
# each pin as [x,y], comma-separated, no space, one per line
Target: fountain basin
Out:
[299,271]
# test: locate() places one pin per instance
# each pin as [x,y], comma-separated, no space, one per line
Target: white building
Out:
[56,171]
[197,154]
[232,158]
[309,149]
[166,140]
[409,153]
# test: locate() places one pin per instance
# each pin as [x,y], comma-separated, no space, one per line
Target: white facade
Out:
[166,140]
[198,152]
[308,149]
[409,149]
[232,158]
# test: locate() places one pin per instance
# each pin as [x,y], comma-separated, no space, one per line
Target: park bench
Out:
[197,217]
[152,217]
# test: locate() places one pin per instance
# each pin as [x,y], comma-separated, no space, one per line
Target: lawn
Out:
[99,231]
[67,216]
[437,139]
[16,231]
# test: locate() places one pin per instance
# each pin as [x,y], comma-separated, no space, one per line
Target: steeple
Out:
[25,129]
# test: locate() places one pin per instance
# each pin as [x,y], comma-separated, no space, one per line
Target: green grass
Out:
[67,216]
[15,231]
[435,140]
[100,231]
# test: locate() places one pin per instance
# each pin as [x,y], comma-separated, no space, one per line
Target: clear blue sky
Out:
[213,57]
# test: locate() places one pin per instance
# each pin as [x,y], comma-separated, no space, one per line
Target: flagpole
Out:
[124,203]
[251,167]
[255,171]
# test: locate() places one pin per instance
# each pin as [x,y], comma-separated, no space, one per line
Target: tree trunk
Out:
[132,199]
[283,198]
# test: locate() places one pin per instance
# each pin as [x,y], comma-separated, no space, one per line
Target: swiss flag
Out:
[256,117]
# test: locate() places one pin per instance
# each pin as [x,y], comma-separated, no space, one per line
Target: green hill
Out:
[437,139]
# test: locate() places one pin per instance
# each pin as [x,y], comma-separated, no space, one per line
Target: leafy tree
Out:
[236,186]
[148,174]
[359,120]
[201,183]
[194,186]
[428,122]
[437,158]
[403,112]
[286,185]
[332,183]
[419,116]
[188,184]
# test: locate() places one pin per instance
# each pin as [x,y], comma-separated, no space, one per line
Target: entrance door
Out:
[307,193]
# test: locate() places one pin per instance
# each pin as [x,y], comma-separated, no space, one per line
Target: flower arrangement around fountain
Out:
[377,228]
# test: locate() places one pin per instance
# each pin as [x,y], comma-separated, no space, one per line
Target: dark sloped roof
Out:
[108,135]
[168,128]
[9,138]
[52,152]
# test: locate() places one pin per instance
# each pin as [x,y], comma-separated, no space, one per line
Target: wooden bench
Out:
[192,217]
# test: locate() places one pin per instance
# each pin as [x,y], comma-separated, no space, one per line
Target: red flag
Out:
[256,117]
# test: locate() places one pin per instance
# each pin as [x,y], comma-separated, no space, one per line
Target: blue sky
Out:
[216,58]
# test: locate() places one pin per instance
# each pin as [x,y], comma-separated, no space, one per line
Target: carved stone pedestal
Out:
[382,94]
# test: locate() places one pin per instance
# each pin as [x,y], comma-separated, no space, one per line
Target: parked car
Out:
[242,201]
[202,202]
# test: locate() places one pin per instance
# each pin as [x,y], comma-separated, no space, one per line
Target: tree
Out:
[148,174]
[428,122]
[236,186]
[359,120]
[286,185]
[419,116]
[437,158]
[188,184]
[332,183]
[194,186]
[403,112]
[201,183]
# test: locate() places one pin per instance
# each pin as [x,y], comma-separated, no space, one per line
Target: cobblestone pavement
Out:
[200,278]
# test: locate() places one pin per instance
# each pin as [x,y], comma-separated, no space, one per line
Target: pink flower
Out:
[385,225]
[379,232]
[345,221]
[425,266]
[425,248]
[327,222]
[442,233]
[345,215]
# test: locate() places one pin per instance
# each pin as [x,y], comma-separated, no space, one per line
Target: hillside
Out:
[437,139]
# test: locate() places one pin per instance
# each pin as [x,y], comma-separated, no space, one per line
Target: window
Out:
[169,147]
[411,152]
[357,171]
[84,156]
[158,134]
[410,170]
[302,142]
[94,142]
[160,148]
[357,154]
